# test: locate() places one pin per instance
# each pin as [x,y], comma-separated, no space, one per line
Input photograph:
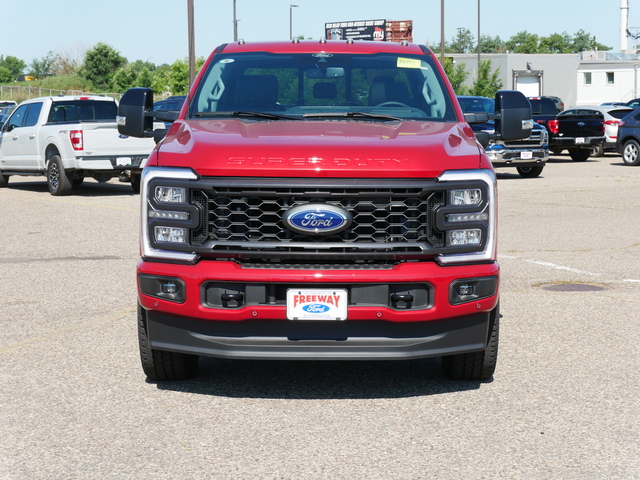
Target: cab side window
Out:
[33,114]
[17,119]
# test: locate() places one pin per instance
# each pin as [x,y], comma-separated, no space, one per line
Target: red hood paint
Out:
[319,148]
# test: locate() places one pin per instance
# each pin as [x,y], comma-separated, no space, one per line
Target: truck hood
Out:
[319,148]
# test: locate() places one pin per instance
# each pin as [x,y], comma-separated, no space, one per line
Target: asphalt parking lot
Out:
[564,402]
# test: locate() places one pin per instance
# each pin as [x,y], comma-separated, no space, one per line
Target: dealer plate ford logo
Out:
[317,219]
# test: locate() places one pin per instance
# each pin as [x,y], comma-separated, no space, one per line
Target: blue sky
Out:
[156,30]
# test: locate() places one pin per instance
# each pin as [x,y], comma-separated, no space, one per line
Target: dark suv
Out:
[628,141]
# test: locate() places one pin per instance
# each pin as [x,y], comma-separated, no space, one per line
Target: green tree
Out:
[491,44]
[457,74]
[464,41]
[583,41]
[523,42]
[179,76]
[100,64]
[14,65]
[42,67]
[556,43]
[5,75]
[487,82]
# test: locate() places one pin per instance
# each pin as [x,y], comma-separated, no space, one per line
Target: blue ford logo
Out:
[317,219]
[581,124]
[316,308]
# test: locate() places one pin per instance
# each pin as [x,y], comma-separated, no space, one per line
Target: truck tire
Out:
[135,182]
[598,151]
[529,172]
[58,181]
[159,364]
[631,153]
[579,154]
[476,366]
[4,180]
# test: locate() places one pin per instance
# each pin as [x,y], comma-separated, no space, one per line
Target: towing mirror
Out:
[513,115]
[135,113]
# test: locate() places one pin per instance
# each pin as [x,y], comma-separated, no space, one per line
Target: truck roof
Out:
[333,46]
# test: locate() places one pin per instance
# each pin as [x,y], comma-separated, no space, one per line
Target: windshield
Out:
[377,87]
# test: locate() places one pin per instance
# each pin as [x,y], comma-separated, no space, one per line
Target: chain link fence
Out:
[21,92]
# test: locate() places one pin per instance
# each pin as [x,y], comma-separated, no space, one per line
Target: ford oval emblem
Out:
[581,124]
[316,308]
[317,219]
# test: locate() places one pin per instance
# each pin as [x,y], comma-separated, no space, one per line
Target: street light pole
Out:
[235,23]
[442,32]
[291,7]
[478,34]
[192,43]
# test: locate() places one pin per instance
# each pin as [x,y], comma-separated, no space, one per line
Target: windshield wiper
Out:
[245,114]
[364,115]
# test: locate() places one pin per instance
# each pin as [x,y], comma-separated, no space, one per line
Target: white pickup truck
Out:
[68,138]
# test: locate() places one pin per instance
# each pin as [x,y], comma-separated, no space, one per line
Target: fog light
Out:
[171,234]
[471,289]
[464,237]
[169,288]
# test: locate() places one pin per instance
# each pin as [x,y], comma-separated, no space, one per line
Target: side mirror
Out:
[513,115]
[135,113]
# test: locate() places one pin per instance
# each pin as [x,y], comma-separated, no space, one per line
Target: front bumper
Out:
[517,157]
[374,329]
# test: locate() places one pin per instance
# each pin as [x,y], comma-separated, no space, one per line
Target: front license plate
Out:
[580,140]
[526,155]
[307,304]
[123,161]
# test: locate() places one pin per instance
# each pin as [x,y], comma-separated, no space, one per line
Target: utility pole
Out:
[192,43]
[235,23]
[442,32]
[478,35]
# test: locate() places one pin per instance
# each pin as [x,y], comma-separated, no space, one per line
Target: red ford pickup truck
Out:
[319,200]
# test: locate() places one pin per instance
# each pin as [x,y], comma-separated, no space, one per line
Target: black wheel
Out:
[135,183]
[556,150]
[161,365]
[598,151]
[529,172]
[58,181]
[78,179]
[631,153]
[4,180]
[476,365]
[579,154]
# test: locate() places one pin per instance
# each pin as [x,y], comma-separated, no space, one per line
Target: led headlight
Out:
[469,196]
[169,215]
[467,217]
[170,194]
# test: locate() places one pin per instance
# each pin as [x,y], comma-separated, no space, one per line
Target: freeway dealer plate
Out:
[580,140]
[526,155]
[307,304]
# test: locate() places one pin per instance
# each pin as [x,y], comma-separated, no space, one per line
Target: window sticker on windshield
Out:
[409,63]
[227,60]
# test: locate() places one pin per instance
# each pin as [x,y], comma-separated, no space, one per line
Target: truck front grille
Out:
[387,216]
[535,140]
